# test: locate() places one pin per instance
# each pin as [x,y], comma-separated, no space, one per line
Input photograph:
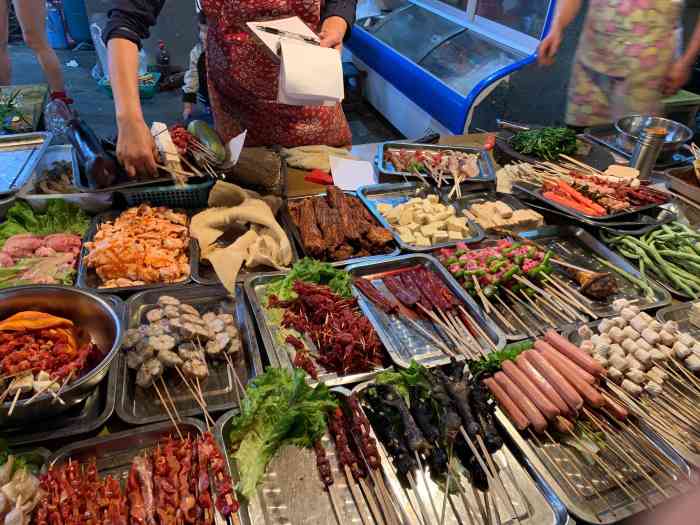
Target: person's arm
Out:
[190,84]
[564,15]
[338,17]
[129,23]
[679,73]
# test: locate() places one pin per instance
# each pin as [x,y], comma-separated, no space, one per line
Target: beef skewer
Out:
[386,304]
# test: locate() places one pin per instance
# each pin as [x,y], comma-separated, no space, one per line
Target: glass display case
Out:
[428,62]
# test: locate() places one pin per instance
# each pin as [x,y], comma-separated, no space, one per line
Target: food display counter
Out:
[430,63]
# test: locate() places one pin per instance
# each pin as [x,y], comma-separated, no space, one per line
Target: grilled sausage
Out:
[533,415]
[616,409]
[542,384]
[563,425]
[568,393]
[574,353]
[542,345]
[515,415]
[588,392]
[544,405]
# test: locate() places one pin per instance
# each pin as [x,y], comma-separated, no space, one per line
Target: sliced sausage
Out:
[533,415]
[588,392]
[540,346]
[515,415]
[563,425]
[542,384]
[574,353]
[558,381]
[544,405]
[615,408]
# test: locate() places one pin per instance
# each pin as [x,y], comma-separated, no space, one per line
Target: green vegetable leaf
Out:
[403,379]
[491,364]
[311,271]
[280,409]
[60,217]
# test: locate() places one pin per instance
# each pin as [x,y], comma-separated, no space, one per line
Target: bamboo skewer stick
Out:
[564,299]
[485,518]
[442,346]
[497,476]
[355,495]
[543,316]
[7,391]
[496,513]
[566,311]
[447,485]
[462,494]
[509,471]
[477,328]
[371,501]
[14,401]
[480,293]
[172,403]
[563,476]
[487,507]
[202,406]
[421,505]
[167,409]
[527,307]
[515,316]
[427,486]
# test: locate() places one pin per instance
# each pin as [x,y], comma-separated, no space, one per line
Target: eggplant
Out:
[459,392]
[414,437]
[449,419]
[423,415]
[437,461]
[480,401]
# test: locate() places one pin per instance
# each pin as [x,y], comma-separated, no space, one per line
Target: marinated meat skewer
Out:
[407,296]
[386,304]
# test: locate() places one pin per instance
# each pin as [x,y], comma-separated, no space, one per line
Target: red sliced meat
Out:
[63,242]
[22,245]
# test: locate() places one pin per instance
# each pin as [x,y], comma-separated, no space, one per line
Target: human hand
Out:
[677,77]
[187,109]
[333,31]
[136,149]
[549,47]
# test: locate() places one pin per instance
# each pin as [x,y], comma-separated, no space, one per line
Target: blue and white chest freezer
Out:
[429,63]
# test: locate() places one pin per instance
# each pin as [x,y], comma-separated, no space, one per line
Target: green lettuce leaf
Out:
[311,271]
[60,217]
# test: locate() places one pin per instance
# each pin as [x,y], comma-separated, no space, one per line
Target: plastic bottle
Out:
[163,59]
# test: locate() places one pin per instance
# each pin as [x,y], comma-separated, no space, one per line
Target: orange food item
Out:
[31,320]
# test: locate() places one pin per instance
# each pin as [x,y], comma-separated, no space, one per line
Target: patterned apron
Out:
[243,79]
[622,59]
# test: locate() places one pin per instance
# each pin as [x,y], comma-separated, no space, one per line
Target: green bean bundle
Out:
[670,254]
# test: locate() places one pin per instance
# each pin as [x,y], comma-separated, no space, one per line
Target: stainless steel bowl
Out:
[631,127]
[88,311]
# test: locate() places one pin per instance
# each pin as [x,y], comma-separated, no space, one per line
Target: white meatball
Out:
[615,375]
[643,357]
[605,338]
[657,375]
[693,362]
[601,360]
[616,334]
[616,350]
[640,322]
[587,346]
[655,325]
[629,346]
[668,352]
[632,363]
[670,326]
[585,331]
[602,349]
[636,376]
[695,348]
[641,343]
[619,322]
[657,355]
[605,325]
[630,333]
[650,336]
[627,314]
[687,339]
[681,350]
[653,389]
[631,388]
[595,339]
[620,304]
[619,363]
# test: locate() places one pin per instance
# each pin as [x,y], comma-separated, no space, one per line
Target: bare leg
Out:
[4,35]
[31,15]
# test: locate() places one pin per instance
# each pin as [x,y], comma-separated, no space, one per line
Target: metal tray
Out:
[576,245]
[487,171]
[88,279]
[533,499]
[401,340]
[115,452]
[291,491]
[463,204]
[203,272]
[290,227]
[535,192]
[95,202]
[276,350]
[139,407]
[572,335]
[400,193]
[617,507]
[676,182]
[18,160]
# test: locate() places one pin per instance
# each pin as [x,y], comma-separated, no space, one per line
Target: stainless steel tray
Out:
[203,272]
[88,279]
[278,352]
[400,193]
[587,507]
[677,184]
[468,199]
[674,311]
[533,499]
[536,192]
[402,341]
[575,245]
[288,225]
[487,171]
[291,491]
[19,155]
[114,453]
[94,202]
[139,407]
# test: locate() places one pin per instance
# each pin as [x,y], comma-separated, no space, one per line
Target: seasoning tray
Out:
[685,452]
[138,406]
[614,506]
[401,339]
[576,246]
[279,353]
[87,277]
[533,500]
[114,453]
[289,226]
[203,272]
[536,192]
[487,171]
[400,193]
[291,491]
[19,155]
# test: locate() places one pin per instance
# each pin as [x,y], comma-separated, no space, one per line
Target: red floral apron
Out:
[243,79]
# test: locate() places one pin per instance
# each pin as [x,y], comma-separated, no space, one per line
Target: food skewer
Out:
[167,409]
[515,316]
[167,393]
[421,505]
[207,416]
[425,482]
[496,476]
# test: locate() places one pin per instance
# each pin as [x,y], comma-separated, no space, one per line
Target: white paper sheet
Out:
[292,24]
[234,148]
[351,174]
